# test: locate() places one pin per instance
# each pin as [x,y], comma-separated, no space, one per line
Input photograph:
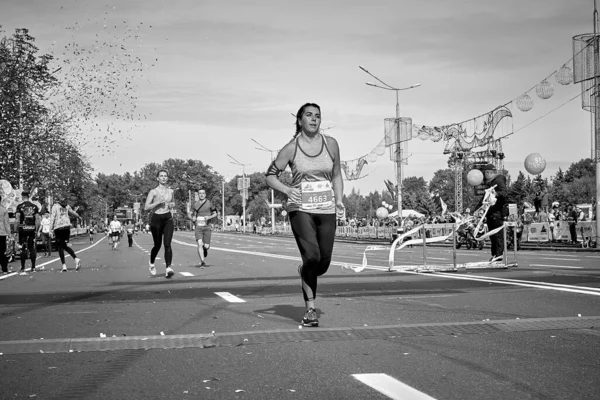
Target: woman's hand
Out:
[294,194]
[339,208]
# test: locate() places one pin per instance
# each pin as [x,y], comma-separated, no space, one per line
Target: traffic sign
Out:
[243,183]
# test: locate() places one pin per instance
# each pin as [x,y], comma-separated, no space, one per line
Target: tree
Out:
[517,191]
[25,125]
[580,169]
[416,195]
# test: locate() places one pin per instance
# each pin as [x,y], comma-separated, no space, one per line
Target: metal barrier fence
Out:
[420,236]
[364,232]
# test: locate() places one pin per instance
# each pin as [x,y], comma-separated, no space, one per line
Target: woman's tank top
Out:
[313,175]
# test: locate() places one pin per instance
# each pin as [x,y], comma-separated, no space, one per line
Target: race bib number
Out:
[316,195]
[200,221]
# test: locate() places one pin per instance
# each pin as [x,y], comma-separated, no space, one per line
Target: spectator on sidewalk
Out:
[45,234]
[572,221]
[544,200]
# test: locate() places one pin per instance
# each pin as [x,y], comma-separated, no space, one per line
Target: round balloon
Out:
[535,164]
[474,177]
[381,213]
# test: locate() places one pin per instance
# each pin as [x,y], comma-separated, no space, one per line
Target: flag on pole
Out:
[444,206]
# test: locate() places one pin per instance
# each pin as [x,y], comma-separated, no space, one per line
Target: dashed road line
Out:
[229,297]
[554,266]
[392,388]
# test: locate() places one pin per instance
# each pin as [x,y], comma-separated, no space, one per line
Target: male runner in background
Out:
[28,223]
[115,231]
[200,213]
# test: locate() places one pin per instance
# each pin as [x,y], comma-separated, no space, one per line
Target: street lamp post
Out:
[399,155]
[272,205]
[244,189]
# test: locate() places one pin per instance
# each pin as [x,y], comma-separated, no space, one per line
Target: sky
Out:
[220,74]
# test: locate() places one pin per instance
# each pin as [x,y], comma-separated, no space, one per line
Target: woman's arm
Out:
[337,181]
[72,212]
[277,167]
[149,204]
[6,222]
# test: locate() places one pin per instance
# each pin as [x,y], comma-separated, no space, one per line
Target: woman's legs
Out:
[162,233]
[156,227]
[3,259]
[62,237]
[168,237]
[315,235]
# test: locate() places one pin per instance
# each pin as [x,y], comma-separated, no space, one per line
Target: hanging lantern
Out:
[525,102]
[423,134]
[372,157]
[380,149]
[436,135]
[544,90]
[415,131]
[564,75]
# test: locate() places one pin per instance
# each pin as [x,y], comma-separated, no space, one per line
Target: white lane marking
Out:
[56,259]
[540,285]
[562,259]
[514,282]
[435,258]
[554,266]
[186,274]
[7,276]
[229,297]
[392,388]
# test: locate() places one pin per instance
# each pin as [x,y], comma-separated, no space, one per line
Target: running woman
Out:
[314,198]
[115,231]
[28,223]
[160,203]
[200,213]
[60,224]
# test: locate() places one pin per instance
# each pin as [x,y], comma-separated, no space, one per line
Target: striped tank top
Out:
[313,175]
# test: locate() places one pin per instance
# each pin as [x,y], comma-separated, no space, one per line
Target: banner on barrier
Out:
[538,232]
[541,231]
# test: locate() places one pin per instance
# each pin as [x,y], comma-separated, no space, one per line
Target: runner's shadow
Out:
[286,311]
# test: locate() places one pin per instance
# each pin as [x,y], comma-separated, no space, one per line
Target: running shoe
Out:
[23,272]
[64,268]
[310,318]
[77,264]
[152,269]
[202,264]
[169,272]
[205,251]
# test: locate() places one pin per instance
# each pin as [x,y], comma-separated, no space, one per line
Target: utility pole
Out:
[244,189]
[272,206]
[399,157]
[596,104]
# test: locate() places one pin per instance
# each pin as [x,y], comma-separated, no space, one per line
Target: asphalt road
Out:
[231,330]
